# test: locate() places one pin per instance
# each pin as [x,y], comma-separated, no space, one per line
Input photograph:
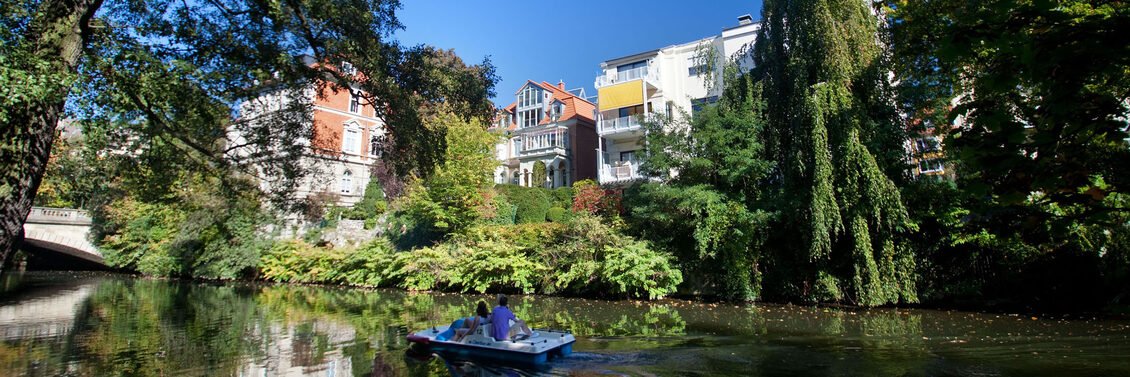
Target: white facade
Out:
[672,81]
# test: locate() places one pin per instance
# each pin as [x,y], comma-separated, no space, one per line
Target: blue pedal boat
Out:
[533,350]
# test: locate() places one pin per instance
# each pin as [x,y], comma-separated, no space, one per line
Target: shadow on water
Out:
[94,324]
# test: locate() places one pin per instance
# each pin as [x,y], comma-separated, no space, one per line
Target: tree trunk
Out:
[57,35]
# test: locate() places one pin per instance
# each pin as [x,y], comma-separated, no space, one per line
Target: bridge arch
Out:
[65,231]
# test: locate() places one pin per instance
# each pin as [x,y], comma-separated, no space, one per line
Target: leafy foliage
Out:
[1037,95]
[584,256]
[538,177]
[590,198]
[834,140]
[452,198]
[533,202]
[204,232]
[555,214]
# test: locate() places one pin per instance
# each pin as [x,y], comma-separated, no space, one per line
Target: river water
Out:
[84,324]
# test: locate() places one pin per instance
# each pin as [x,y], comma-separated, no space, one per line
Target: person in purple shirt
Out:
[504,325]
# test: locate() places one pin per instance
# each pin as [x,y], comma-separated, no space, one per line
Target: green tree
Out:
[454,196]
[835,138]
[538,177]
[710,213]
[1041,89]
[1038,94]
[40,46]
[164,78]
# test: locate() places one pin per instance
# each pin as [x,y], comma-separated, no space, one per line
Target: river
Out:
[94,324]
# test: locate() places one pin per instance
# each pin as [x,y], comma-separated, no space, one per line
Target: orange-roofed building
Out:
[342,142]
[550,124]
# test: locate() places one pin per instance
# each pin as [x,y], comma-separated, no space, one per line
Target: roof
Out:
[576,107]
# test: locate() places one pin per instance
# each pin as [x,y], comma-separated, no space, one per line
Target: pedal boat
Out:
[533,350]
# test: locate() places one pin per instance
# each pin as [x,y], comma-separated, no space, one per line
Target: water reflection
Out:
[95,325]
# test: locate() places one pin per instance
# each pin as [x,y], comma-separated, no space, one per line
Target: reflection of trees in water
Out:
[145,327]
[153,327]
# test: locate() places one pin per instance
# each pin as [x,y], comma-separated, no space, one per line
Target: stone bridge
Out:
[62,230]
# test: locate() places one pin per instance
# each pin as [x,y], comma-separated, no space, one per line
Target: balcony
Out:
[620,172]
[648,74]
[619,125]
[551,142]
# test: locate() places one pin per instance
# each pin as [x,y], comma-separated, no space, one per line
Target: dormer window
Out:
[556,111]
[528,97]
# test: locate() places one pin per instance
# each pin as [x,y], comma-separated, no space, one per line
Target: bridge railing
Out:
[49,215]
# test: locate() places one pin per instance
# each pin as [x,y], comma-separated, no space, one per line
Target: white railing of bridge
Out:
[49,215]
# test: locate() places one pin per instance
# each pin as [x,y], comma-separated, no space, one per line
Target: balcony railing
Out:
[646,73]
[544,142]
[620,172]
[614,125]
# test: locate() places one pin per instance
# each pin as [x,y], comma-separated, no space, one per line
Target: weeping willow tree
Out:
[835,139]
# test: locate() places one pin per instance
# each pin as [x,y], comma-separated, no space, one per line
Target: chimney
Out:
[745,19]
[561,84]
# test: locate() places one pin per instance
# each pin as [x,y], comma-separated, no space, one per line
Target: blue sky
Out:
[561,40]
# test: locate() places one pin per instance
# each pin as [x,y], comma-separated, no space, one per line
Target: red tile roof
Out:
[575,107]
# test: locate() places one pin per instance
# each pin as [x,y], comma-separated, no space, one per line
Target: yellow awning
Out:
[620,95]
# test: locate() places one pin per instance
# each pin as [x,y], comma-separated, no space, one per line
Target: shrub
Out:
[523,236]
[502,212]
[497,264]
[555,214]
[367,264]
[372,204]
[588,197]
[298,262]
[137,236]
[539,175]
[564,196]
[634,269]
[532,202]
[423,269]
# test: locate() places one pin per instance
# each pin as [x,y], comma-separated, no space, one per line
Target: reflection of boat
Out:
[534,350]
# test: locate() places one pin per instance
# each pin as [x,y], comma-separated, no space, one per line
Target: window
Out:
[530,96]
[628,157]
[558,109]
[929,165]
[631,66]
[559,139]
[347,68]
[354,102]
[695,66]
[926,144]
[516,144]
[631,71]
[530,118]
[631,111]
[700,104]
[351,141]
[347,182]
[669,110]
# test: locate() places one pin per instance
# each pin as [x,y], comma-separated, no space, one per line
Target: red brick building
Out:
[550,124]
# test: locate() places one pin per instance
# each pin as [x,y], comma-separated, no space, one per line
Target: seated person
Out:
[461,327]
[482,316]
[501,320]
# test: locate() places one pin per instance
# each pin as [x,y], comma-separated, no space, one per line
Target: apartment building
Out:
[550,124]
[342,144]
[670,80]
